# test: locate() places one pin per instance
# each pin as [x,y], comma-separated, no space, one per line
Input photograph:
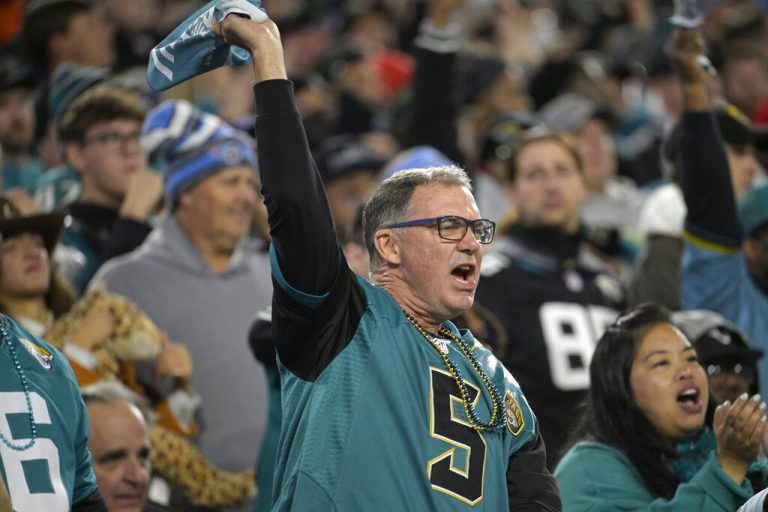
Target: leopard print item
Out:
[134,337]
[203,484]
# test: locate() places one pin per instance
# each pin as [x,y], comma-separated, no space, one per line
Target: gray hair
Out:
[390,202]
[110,392]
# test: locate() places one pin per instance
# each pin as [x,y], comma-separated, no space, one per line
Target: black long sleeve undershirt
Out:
[308,338]
[435,104]
[299,216]
[707,186]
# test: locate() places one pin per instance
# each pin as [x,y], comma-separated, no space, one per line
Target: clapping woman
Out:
[644,442]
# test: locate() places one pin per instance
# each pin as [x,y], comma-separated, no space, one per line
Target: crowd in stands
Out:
[625,290]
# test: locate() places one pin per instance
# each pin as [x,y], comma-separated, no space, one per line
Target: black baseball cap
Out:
[714,337]
[14,72]
[503,131]
[346,154]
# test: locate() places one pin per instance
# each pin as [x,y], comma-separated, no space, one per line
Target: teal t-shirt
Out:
[55,472]
[595,477]
[24,177]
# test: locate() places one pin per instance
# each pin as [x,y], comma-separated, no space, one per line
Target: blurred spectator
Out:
[136,26]
[613,202]
[646,438]
[745,74]
[58,31]
[60,184]
[314,102]
[75,31]
[359,92]
[349,168]
[199,263]
[657,270]
[544,286]
[21,168]
[438,42]
[496,146]
[101,131]
[723,351]
[30,291]
[489,86]
[118,421]
[725,264]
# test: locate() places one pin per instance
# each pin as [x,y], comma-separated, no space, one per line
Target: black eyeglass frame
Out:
[484,223]
[113,139]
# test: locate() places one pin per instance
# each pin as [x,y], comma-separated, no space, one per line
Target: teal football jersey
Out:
[55,472]
[382,427]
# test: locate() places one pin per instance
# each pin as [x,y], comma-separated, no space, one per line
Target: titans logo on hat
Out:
[231,153]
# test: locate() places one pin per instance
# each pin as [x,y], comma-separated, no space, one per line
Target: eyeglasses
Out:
[745,371]
[112,140]
[453,228]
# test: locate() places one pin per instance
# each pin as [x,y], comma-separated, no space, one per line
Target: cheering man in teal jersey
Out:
[386,405]
[44,454]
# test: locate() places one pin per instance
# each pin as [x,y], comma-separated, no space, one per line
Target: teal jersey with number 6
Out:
[382,426]
[55,471]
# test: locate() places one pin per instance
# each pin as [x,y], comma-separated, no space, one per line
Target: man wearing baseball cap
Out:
[724,352]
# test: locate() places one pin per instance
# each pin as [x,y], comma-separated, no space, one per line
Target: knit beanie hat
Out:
[68,82]
[192,145]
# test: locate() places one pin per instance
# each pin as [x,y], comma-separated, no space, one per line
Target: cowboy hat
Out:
[13,223]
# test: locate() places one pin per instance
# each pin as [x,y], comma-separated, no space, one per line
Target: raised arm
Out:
[302,231]
[707,186]
[435,107]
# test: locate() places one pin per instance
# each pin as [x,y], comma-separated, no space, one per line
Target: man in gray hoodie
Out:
[199,277]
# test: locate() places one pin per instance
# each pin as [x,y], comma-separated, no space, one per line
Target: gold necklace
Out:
[497,415]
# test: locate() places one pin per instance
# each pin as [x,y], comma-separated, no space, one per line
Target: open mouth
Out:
[463,272]
[689,400]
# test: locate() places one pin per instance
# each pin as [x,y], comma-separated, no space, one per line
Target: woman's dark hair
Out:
[610,414]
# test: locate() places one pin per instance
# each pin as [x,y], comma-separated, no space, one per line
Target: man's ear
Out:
[73,156]
[388,246]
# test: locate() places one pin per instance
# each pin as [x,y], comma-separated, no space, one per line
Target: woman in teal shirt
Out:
[643,442]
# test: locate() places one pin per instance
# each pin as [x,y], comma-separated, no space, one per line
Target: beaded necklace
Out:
[498,415]
[25,386]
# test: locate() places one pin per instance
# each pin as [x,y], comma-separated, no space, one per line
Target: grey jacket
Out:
[211,314]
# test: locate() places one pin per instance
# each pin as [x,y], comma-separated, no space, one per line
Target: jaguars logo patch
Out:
[40,353]
[515,419]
